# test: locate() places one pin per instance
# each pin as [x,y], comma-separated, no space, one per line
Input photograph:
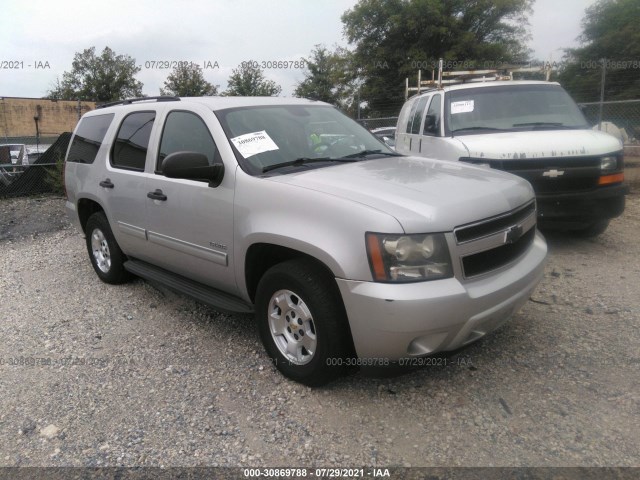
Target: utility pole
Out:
[604,71]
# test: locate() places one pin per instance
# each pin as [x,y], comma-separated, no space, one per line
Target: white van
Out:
[532,129]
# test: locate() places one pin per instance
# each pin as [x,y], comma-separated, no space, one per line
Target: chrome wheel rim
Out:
[292,327]
[100,250]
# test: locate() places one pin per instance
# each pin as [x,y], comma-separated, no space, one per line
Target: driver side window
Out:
[186,132]
[432,120]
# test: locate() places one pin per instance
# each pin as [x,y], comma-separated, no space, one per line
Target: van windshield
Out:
[511,108]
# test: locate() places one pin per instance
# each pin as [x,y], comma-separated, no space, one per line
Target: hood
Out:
[540,144]
[424,195]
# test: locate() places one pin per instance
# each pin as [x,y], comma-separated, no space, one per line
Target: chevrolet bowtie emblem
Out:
[553,173]
[513,234]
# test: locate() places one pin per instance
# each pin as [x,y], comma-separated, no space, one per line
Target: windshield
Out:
[266,137]
[511,108]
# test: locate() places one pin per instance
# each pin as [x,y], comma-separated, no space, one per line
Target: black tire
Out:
[316,292]
[592,230]
[108,261]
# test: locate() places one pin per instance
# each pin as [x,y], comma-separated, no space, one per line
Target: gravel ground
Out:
[95,375]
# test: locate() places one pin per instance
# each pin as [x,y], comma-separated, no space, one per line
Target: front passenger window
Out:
[186,132]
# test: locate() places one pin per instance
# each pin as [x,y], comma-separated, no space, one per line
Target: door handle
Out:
[157,195]
[107,183]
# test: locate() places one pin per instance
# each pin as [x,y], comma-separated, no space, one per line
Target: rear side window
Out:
[411,115]
[186,132]
[88,138]
[404,117]
[417,115]
[132,141]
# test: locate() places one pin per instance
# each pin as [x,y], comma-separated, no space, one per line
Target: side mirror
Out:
[192,166]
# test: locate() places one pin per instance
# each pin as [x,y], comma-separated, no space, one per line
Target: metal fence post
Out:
[604,70]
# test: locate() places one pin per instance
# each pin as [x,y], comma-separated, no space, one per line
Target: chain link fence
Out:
[373,123]
[624,114]
[30,165]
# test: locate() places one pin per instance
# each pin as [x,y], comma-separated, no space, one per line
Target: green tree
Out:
[323,76]
[331,76]
[186,80]
[249,81]
[103,78]
[395,38]
[609,31]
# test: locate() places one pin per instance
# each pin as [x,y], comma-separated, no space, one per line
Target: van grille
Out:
[555,175]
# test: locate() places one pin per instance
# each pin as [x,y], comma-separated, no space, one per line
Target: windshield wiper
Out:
[301,161]
[364,153]
[546,125]
[538,124]
[476,128]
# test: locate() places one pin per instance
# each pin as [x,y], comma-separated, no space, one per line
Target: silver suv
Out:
[348,253]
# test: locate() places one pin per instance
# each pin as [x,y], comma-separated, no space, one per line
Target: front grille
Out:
[555,175]
[492,225]
[495,242]
[488,260]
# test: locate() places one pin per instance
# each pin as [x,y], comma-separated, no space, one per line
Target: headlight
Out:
[609,163]
[408,258]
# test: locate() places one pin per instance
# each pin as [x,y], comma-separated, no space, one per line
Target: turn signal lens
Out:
[611,179]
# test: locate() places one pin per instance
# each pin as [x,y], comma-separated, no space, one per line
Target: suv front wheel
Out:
[105,254]
[302,322]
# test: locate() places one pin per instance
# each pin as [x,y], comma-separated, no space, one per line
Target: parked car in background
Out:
[21,154]
[532,129]
[348,253]
[13,157]
[35,151]
[387,135]
[16,157]
[18,152]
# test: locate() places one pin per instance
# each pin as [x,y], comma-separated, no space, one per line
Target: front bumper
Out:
[393,321]
[582,208]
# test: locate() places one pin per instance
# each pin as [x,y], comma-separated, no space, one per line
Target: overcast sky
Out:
[45,33]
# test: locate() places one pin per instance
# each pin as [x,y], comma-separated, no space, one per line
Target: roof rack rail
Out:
[129,101]
[468,76]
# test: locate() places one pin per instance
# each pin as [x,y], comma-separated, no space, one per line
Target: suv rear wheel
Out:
[301,321]
[105,254]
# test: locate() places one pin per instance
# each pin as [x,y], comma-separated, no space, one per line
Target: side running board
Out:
[202,293]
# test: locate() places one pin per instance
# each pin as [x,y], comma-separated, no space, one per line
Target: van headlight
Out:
[609,163]
[408,258]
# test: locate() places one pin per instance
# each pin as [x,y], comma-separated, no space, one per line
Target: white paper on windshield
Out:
[464,106]
[251,144]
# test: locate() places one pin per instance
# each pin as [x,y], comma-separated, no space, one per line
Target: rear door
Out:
[189,223]
[409,126]
[122,185]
